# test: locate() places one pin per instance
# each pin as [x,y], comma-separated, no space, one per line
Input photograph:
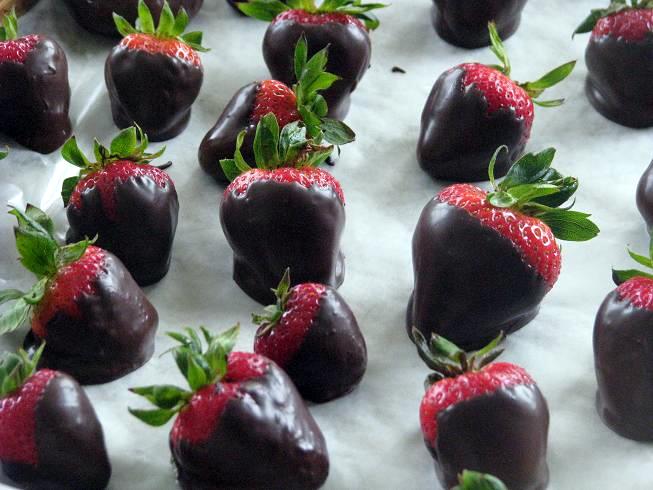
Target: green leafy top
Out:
[130,144]
[621,276]
[170,26]
[200,366]
[4,154]
[267,10]
[271,314]
[615,6]
[532,187]
[471,480]
[536,88]
[17,368]
[41,254]
[9,29]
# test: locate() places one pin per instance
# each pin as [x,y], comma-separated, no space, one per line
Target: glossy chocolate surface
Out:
[113,336]
[464,23]
[503,433]
[618,80]
[333,356]
[96,15]
[69,440]
[142,234]
[155,91]
[470,282]
[350,50]
[645,196]
[35,97]
[267,438]
[458,137]
[623,358]
[273,226]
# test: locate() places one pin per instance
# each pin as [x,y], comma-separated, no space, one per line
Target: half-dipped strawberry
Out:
[98,324]
[154,75]
[284,214]
[617,58]
[128,204]
[51,437]
[312,334]
[472,110]
[241,425]
[483,416]
[342,25]
[34,89]
[302,102]
[483,261]
[472,480]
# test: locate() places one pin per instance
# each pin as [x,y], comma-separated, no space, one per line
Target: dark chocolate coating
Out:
[332,358]
[503,433]
[273,226]
[69,440]
[155,91]
[623,358]
[464,23]
[96,15]
[35,97]
[141,236]
[350,50]
[618,79]
[220,142]
[458,137]
[265,439]
[113,336]
[645,196]
[471,283]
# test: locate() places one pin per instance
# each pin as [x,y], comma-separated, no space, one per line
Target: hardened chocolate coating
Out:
[645,196]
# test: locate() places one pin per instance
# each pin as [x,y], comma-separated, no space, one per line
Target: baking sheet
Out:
[373,435]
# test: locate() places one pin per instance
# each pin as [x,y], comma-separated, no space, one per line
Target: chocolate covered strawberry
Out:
[286,213]
[484,261]
[312,334]
[302,102]
[472,480]
[484,416]
[472,110]
[617,58]
[51,437]
[342,25]
[155,74]
[34,89]
[241,425]
[128,204]
[645,196]
[97,323]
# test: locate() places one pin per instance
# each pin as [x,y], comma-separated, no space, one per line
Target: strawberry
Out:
[471,480]
[312,334]
[472,110]
[645,196]
[342,25]
[241,425]
[51,437]
[485,416]
[302,103]
[131,206]
[155,75]
[34,89]
[470,296]
[284,214]
[618,71]
[97,322]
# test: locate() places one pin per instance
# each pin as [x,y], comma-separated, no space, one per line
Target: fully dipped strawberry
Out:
[98,324]
[302,102]
[154,74]
[617,58]
[472,110]
[51,437]
[241,425]
[483,261]
[128,204]
[472,480]
[34,89]
[483,416]
[342,25]
[286,213]
[312,334]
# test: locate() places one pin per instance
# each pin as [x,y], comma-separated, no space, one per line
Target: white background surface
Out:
[373,434]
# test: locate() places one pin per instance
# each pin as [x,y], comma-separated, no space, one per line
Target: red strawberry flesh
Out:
[277,98]
[304,17]
[169,47]
[16,50]
[638,291]
[629,25]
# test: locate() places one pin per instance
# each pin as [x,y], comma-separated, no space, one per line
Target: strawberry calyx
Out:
[201,366]
[269,318]
[9,28]
[17,368]
[621,276]
[472,480]
[615,7]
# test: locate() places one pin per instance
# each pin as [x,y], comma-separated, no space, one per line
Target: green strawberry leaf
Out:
[499,50]
[155,418]
[37,251]
[9,29]
[501,199]
[38,216]
[10,295]
[301,56]
[35,295]
[4,154]
[163,396]
[180,23]
[72,154]
[569,225]
[124,144]
[145,22]
[15,316]
[590,21]
[266,142]
[621,276]
[123,26]
[265,10]
[68,188]
[471,480]
[73,252]
[166,21]
[529,169]
[336,132]
[552,78]
[291,141]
